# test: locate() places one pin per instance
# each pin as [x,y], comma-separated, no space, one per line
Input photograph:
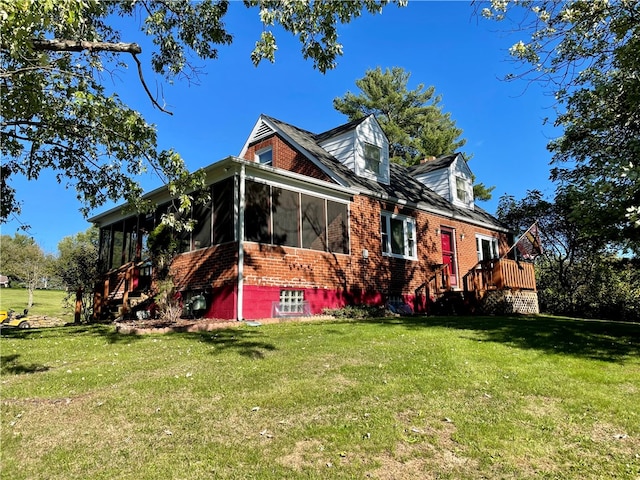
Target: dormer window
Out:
[265,156]
[461,189]
[372,154]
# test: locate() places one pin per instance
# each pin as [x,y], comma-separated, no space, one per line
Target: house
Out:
[299,222]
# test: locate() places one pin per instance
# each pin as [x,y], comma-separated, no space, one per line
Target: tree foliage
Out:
[77,266]
[576,274]
[22,259]
[413,120]
[586,53]
[57,114]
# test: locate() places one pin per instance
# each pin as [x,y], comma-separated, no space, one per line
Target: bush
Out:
[357,312]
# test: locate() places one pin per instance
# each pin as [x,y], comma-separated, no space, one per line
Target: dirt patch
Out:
[428,451]
[306,454]
[142,327]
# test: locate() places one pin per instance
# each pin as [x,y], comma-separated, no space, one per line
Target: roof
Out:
[339,130]
[402,186]
[443,161]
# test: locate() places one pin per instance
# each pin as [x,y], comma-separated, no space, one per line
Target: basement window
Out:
[291,304]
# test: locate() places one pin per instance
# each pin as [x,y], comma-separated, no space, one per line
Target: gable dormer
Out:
[449,176]
[360,145]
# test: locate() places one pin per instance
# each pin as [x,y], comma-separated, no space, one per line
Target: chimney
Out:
[427,159]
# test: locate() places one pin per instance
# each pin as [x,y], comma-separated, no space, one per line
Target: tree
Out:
[413,120]
[77,267]
[576,274]
[586,53]
[23,259]
[57,114]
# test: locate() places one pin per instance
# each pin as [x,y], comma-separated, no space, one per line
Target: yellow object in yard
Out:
[8,318]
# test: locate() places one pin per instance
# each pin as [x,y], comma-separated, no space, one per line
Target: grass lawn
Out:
[408,398]
[45,302]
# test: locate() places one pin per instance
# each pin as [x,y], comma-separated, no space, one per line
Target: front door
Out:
[448,254]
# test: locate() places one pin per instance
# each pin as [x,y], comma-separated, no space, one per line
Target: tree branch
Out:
[57,45]
[146,89]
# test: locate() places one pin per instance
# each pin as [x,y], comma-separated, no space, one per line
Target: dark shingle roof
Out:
[402,184]
[339,130]
[429,166]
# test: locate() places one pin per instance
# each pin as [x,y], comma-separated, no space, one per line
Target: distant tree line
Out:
[578,274]
[73,269]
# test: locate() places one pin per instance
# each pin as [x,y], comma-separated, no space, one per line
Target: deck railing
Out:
[500,274]
[440,281]
[118,284]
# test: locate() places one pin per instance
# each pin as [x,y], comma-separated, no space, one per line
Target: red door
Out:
[448,255]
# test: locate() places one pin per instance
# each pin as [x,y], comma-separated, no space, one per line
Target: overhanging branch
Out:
[57,45]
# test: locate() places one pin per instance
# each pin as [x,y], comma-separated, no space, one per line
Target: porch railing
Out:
[499,274]
[440,281]
[118,284]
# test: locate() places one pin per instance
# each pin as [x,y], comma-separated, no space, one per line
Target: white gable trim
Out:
[263,123]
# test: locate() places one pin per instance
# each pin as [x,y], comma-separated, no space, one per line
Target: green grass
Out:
[457,398]
[45,302]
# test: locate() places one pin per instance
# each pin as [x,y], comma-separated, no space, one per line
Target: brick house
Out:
[299,222]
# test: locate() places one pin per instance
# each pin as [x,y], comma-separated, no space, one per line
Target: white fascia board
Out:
[160,194]
[465,165]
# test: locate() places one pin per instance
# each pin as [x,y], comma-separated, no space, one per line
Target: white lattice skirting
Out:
[509,301]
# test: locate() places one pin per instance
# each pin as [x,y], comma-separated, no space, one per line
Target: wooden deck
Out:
[500,274]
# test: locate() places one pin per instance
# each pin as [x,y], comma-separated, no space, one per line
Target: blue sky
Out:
[440,43]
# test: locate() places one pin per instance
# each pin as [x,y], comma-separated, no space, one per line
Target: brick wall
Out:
[370,274]
[286,158]
[215,266]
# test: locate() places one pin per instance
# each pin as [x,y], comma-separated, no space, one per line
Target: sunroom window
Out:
[398,235]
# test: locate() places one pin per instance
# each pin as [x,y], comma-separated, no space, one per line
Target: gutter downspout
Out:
[241,204]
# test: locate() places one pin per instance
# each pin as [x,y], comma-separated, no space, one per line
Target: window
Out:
[286,213]
[313,223]
[284,217]
[265,156]
[461,189]
[372,158]
[257,214]
[487,247]
[118,241]
[223,211]
[105,248]
[337,227]
[291,301]
[201,234]
[398,235]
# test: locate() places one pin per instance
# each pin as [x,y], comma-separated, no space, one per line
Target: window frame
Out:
[368,159]
[494,246]
[259,153]
[331,240]
[461,187]
[291,301]
[409,243]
